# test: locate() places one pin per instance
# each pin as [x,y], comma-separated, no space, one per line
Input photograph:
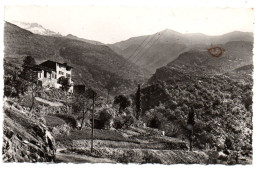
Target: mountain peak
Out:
[170,31]
[35,28]
[71,36]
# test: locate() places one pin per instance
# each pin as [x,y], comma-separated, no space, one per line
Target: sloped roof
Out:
[52,65]
[39,68]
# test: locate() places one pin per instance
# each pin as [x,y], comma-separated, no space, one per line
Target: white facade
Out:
[50,78]
[62,71]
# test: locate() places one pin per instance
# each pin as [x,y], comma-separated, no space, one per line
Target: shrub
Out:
[118,123]
[106,116]
[123,102]
[69,119]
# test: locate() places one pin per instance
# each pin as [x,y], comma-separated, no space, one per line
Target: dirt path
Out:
[76,158]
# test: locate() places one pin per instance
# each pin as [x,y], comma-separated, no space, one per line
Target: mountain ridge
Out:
[199,62]
[170,45]
[71,36]
[94,65]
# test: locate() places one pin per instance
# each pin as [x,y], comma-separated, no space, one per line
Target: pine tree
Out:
[138,101]
[30,75]
[65,86]
[190,125]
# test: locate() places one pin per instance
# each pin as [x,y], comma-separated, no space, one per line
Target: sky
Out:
[113,24]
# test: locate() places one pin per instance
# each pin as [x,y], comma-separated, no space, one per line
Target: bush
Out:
[106,116]
[124,121]
[123,102]
[118,123]
[69,119]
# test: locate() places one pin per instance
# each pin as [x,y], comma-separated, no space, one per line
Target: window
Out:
[39,75]
[53,75]
[60,72]
[49,75]
[68,75]
[45,74]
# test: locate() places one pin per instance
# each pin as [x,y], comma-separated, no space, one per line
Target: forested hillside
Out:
[222,107]
[93,65]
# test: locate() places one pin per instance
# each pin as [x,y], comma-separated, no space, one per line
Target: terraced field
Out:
[136,145]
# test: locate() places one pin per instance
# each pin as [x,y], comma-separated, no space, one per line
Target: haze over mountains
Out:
[157,50]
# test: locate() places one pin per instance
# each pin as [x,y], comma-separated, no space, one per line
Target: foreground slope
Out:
[26,138]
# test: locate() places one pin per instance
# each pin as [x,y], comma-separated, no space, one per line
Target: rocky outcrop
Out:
[26,138]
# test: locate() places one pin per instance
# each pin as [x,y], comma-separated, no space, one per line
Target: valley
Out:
[182,87]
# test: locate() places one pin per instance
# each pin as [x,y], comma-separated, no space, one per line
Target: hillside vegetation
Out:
[222,106]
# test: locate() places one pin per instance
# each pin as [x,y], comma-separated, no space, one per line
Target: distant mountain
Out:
[39,29]
[236,54]
[96,66]
[70,36]
[200,62]
[36,28]
[163,47]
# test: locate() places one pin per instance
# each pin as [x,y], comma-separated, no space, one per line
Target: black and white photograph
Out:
[128,85]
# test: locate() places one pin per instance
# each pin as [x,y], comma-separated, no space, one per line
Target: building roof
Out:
[52,65]
[39,68]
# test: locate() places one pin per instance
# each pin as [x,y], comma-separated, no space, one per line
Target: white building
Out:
[49,72]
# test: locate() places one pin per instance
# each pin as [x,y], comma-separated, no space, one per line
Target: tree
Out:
[94,94]
[65,86]
[138,101]
[123,102]
[65,83]
[82,103]
[190,125]
[109,87]
[29,74]
[29,61]
[81,106]
[191,120]
[13,85]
